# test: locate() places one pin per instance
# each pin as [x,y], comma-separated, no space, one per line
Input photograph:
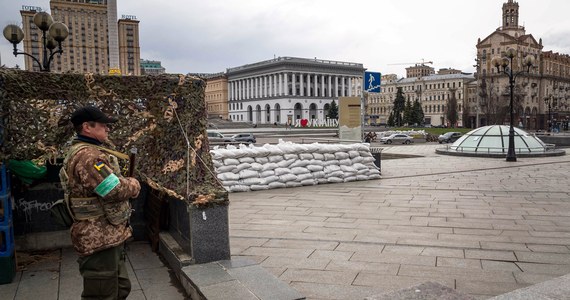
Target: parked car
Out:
[397,138]
[244,137]
[449,137]
[215,137]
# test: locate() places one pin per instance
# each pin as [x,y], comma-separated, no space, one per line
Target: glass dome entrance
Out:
[493,141]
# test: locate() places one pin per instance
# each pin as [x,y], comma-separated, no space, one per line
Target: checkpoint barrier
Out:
[251,168]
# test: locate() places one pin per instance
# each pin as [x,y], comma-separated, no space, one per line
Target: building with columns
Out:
[287,89]
[432,91]
[541,95]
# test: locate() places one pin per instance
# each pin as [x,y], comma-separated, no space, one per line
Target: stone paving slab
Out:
[321,291]
[488,288]
[424,291]
[471,222]
[56,276]
[558,288]
[238,278]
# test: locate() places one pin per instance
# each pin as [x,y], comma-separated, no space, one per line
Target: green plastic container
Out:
[7,268]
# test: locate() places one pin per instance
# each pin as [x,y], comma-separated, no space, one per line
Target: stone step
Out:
[237,278]
[424,291]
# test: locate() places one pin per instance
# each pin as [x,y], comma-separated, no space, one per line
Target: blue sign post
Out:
[372,82]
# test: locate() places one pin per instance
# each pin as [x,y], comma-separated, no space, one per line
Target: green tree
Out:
[333,111]
[391,120]
[451,111]
[408,113]
[418,113]
[399,106]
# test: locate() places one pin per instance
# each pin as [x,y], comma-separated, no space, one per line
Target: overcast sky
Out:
[209,36]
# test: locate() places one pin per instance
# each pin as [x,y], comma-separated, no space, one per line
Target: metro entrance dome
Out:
[493,141]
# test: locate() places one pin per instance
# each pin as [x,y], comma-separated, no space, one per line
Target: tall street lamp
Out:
[548,100]
[505,65]
[477,66]
[52,33]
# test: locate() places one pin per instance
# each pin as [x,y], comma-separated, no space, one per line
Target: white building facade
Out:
[289,89]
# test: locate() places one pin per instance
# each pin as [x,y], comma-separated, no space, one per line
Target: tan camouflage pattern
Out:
[90,236]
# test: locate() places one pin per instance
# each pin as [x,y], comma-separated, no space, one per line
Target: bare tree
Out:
[467,120]
[503,114]
[495,105]
[490,102]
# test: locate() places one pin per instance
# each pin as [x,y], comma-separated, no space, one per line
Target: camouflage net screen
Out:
[152,110]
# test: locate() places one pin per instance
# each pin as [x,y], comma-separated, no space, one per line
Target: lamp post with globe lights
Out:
[549,100]
[505,65]
[53,34]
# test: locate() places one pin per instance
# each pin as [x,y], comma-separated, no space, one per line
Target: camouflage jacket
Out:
[96,234]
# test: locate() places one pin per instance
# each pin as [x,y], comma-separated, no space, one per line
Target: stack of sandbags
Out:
[250,168]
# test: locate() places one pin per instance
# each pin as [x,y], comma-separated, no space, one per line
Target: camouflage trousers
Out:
[105,275]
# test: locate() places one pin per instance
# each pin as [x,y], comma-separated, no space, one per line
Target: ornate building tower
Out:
[542,96]
[510,14]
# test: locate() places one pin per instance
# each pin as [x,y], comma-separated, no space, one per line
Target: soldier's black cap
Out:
[90,113]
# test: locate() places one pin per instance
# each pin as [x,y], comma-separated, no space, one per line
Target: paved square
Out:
[479,225]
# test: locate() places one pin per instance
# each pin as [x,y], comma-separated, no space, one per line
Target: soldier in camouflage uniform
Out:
[100,226]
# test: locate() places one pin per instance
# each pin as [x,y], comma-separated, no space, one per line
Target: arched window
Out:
[249,113]
[267,113]
[258,114]
[326,110]
[313,111]
[298,111]
[277,113]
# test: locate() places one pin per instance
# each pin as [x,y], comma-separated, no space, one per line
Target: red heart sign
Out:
[304,122]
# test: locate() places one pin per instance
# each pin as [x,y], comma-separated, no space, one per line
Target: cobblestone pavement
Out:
[55,275]
[482,226]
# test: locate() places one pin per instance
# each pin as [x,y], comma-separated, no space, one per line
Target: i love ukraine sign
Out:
[316,123]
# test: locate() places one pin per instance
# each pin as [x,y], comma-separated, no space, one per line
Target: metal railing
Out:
[223,144]
[328,141]
[499,150]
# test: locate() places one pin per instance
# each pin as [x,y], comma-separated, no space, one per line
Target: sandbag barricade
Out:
[250,168]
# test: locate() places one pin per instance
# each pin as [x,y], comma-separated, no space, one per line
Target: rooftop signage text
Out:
[31,8]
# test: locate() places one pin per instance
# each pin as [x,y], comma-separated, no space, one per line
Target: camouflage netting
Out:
[35,111]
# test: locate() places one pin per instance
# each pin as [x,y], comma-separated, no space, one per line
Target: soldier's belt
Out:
[86,208]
